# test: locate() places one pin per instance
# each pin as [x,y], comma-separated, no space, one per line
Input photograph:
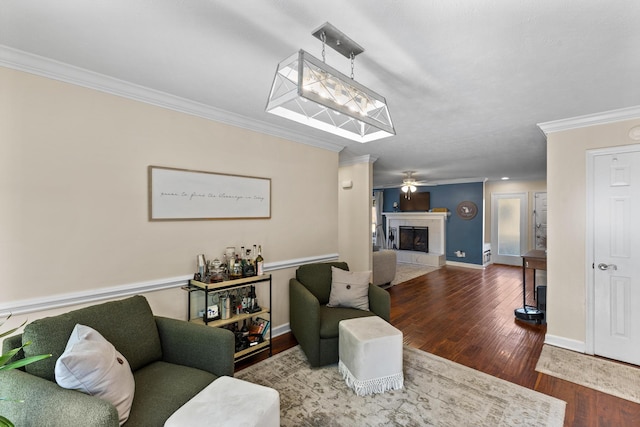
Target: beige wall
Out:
[354,227]
[566,183]
[529,187]
[73,183]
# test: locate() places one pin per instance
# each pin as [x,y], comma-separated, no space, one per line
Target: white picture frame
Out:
[183,194]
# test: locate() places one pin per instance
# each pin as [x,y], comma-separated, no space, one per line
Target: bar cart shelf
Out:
[219,288]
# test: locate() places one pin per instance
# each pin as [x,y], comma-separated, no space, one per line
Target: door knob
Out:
[602,266]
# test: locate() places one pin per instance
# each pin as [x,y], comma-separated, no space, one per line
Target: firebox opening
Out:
[414,239]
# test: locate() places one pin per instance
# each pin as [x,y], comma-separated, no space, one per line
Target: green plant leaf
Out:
[5,422]
[8,355]
[4,399]
[4,320]
[22,362]
[4,366]
[10,331]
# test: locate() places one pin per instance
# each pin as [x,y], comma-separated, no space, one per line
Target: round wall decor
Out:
[467,210]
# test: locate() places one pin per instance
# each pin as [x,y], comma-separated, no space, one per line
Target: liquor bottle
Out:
[248,267]
[242,260]
[236,272]
[253,300]
[230,256]
[244,330]
[245,300]
[259,262]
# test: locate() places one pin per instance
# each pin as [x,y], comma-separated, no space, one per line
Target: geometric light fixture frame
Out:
[307,90]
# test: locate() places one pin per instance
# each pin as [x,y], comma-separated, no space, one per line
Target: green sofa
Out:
[172,360]
[314,325]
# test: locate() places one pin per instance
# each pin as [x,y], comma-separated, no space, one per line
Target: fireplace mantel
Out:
[417,215]
[437,237]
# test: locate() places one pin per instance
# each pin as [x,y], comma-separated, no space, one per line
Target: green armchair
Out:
[315,325]
[172,360]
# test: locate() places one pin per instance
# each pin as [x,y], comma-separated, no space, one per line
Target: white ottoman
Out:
[370,351]
[230,402]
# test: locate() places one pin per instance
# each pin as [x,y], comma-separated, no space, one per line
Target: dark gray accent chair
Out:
[314,325]
[172,360]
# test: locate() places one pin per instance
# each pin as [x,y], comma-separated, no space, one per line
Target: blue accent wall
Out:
[462,235]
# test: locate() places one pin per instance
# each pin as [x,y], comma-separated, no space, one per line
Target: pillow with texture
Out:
[92,365]
[349,289]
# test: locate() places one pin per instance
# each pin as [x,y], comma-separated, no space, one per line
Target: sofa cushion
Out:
[161,388]
[317,278]
[330,317]
[349,289]
[128,324]
[92,365]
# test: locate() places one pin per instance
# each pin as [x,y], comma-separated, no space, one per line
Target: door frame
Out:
[524,216]
[590,241]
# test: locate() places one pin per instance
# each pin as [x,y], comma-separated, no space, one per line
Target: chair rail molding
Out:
[33,305]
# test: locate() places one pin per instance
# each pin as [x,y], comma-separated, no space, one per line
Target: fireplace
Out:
[414,239]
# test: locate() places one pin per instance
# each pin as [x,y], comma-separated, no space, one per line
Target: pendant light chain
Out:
[353,61]
[323,39]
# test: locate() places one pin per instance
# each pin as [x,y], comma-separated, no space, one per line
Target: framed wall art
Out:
[467,210]
[182,194]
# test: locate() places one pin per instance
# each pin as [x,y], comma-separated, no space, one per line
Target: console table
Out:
[534,260]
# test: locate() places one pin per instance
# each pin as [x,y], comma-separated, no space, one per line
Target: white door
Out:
[508,227]
[616,255]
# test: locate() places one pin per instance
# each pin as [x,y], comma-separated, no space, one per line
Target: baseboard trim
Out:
[280,330]
[464,264]
[565,343]
[33,305]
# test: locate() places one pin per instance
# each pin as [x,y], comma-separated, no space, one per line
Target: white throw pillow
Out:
[349,289]
[92,365]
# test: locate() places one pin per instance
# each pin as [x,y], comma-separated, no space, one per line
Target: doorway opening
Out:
[508,227]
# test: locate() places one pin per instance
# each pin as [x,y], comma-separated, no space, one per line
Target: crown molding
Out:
[590,120]
[459,181]
[56,70]
[357,160]
[435,183]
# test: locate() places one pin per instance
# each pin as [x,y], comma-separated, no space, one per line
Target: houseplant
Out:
[5,365]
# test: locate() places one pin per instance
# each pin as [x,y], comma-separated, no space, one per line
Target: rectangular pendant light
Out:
[308,91]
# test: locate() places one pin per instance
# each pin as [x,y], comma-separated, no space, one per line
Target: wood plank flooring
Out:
[466,315]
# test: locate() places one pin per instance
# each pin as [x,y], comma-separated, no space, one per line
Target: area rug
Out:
[405,272]
[437,392]
[609,377]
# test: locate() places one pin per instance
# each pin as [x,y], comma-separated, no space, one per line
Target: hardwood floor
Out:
[466,315]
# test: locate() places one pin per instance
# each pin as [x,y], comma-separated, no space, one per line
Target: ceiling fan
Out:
[409,181]
[410,185]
